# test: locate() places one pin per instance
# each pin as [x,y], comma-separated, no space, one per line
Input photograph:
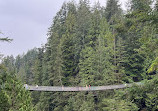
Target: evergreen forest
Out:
[89,45]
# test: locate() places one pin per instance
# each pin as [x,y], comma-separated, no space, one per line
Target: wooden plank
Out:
[92,88]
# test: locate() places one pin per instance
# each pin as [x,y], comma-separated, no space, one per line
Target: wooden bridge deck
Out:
[92,88]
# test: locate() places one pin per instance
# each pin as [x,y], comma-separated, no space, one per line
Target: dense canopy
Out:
[96,46]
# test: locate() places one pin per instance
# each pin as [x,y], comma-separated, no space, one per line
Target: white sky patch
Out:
[27,22]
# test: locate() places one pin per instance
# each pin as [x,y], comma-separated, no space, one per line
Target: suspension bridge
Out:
[71,89]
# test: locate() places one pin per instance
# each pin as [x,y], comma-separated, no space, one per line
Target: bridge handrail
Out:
[91,88]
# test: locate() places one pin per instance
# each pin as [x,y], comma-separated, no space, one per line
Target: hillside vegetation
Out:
[97,46]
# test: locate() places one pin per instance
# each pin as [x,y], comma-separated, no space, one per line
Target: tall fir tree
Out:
[13,95]
[69,64]
[135,23]
[112,9]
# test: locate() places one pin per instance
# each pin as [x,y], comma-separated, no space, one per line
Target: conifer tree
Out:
[87,55]
[112,9]
[38,74]
[69,64]
[83,25]
[13,96]
[135,23]
[88,47]
[52,67]
[104,54]
[113,14]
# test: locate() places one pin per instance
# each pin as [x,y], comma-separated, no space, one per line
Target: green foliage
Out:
[92,46]
[13,96]
[112,9]
[154,66]
[140,5]
[5,39]
[118,105]
[86,64]
[144,96]
[68,48]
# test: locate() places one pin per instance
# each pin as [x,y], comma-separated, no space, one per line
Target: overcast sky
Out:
[27,23]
